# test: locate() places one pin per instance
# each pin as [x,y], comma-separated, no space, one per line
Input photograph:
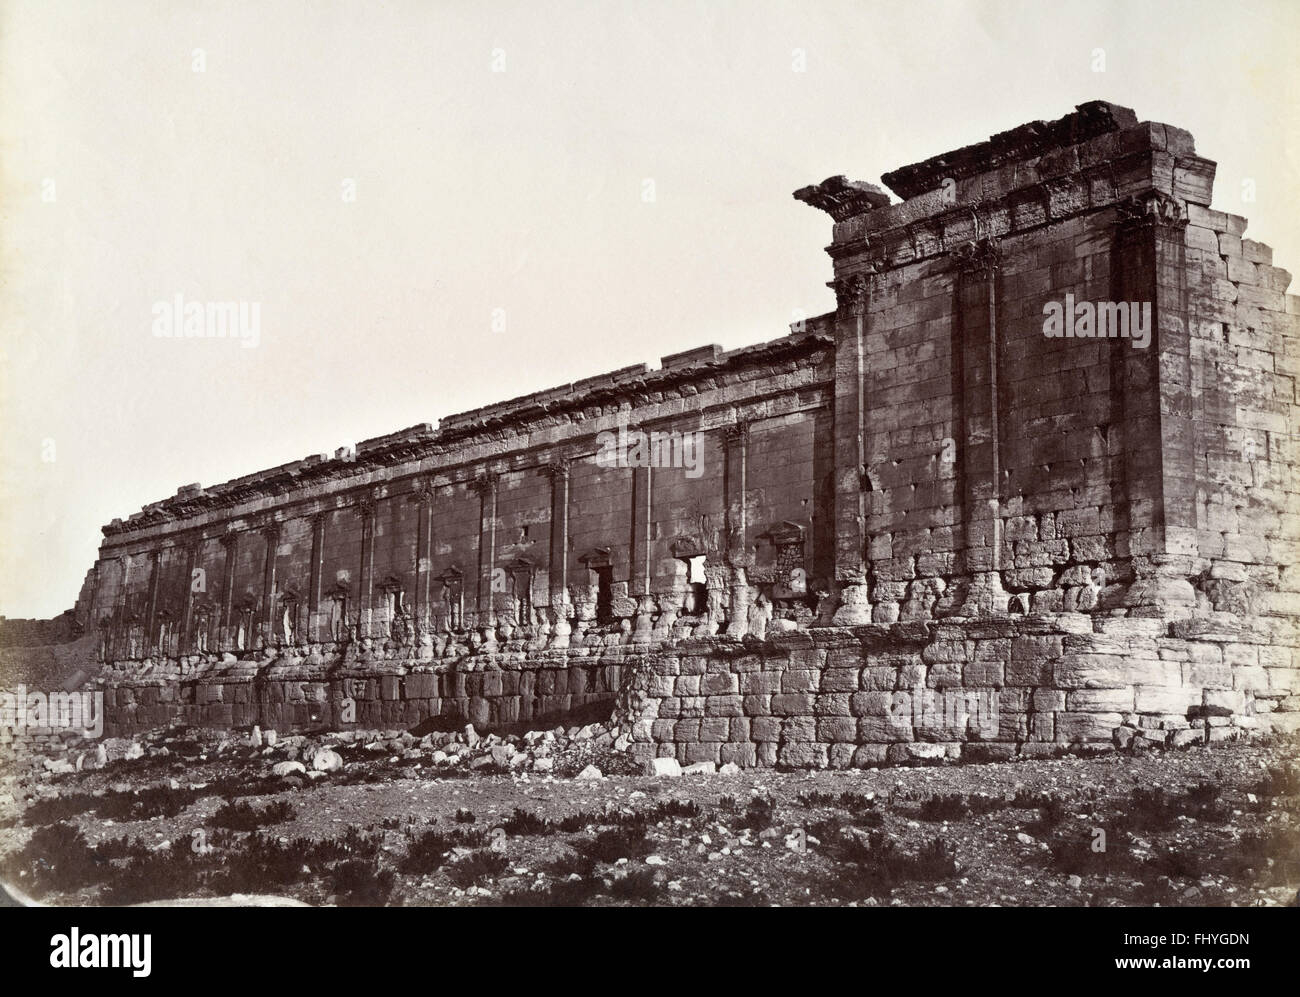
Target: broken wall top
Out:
[1034,174]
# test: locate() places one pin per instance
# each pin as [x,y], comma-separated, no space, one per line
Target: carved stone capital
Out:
[424,492]
[557,469]
[851,293]
[485,484]
[979,257]
[1151,208]
[735,435]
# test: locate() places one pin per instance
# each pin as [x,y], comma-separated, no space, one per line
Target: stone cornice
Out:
[790,353]
[406,480]
[1027,141]
[1019,211]
[841,198]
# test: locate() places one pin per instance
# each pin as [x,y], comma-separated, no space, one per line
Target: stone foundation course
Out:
[875,694]
[979,690]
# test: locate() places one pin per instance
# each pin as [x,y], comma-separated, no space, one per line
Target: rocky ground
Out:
[565,817]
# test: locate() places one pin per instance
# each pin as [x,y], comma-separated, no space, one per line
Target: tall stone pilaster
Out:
[853,297]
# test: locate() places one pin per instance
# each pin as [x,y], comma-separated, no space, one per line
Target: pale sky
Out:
[128,177]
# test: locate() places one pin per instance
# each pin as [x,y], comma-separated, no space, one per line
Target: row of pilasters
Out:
[230,619]
[1150,437]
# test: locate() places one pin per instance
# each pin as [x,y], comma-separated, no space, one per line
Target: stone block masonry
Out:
[982,690]
[494,692]
[1096,534]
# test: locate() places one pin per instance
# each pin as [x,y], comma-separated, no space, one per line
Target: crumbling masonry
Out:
[918,491]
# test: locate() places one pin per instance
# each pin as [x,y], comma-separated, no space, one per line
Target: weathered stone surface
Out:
[868,529]
[326,760]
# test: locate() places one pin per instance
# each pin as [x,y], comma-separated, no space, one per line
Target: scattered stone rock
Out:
[503,754]
[288,768]
[663,767]
[591,772]
[326,760]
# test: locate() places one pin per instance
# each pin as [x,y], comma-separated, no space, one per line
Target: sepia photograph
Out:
[629,454]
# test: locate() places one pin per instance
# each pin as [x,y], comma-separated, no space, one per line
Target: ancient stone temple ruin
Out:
[1039,462]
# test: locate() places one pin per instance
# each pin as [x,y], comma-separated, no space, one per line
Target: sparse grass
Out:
[1279,781]
[573,864]
[160,875]
[1157,810]
[759,814]
[639,885]
[1176,863]
[577,822]
[476,867]
[951,806]
[121,848]
[240,816]
[429,852]
[362,883]
[1270,857]
[525,822]
[672,809]
[58,858]
[152,801]
[254,865]
[816,798]
[614,844]
[1077,850]
[828,829]
[1051,812]
[863,810]
[876,866]
[1180,844]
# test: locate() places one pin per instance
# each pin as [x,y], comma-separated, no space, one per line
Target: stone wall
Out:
[341,690]
[1100,534]
[500,523]
[874,694]
[1005,470]
[979,690]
